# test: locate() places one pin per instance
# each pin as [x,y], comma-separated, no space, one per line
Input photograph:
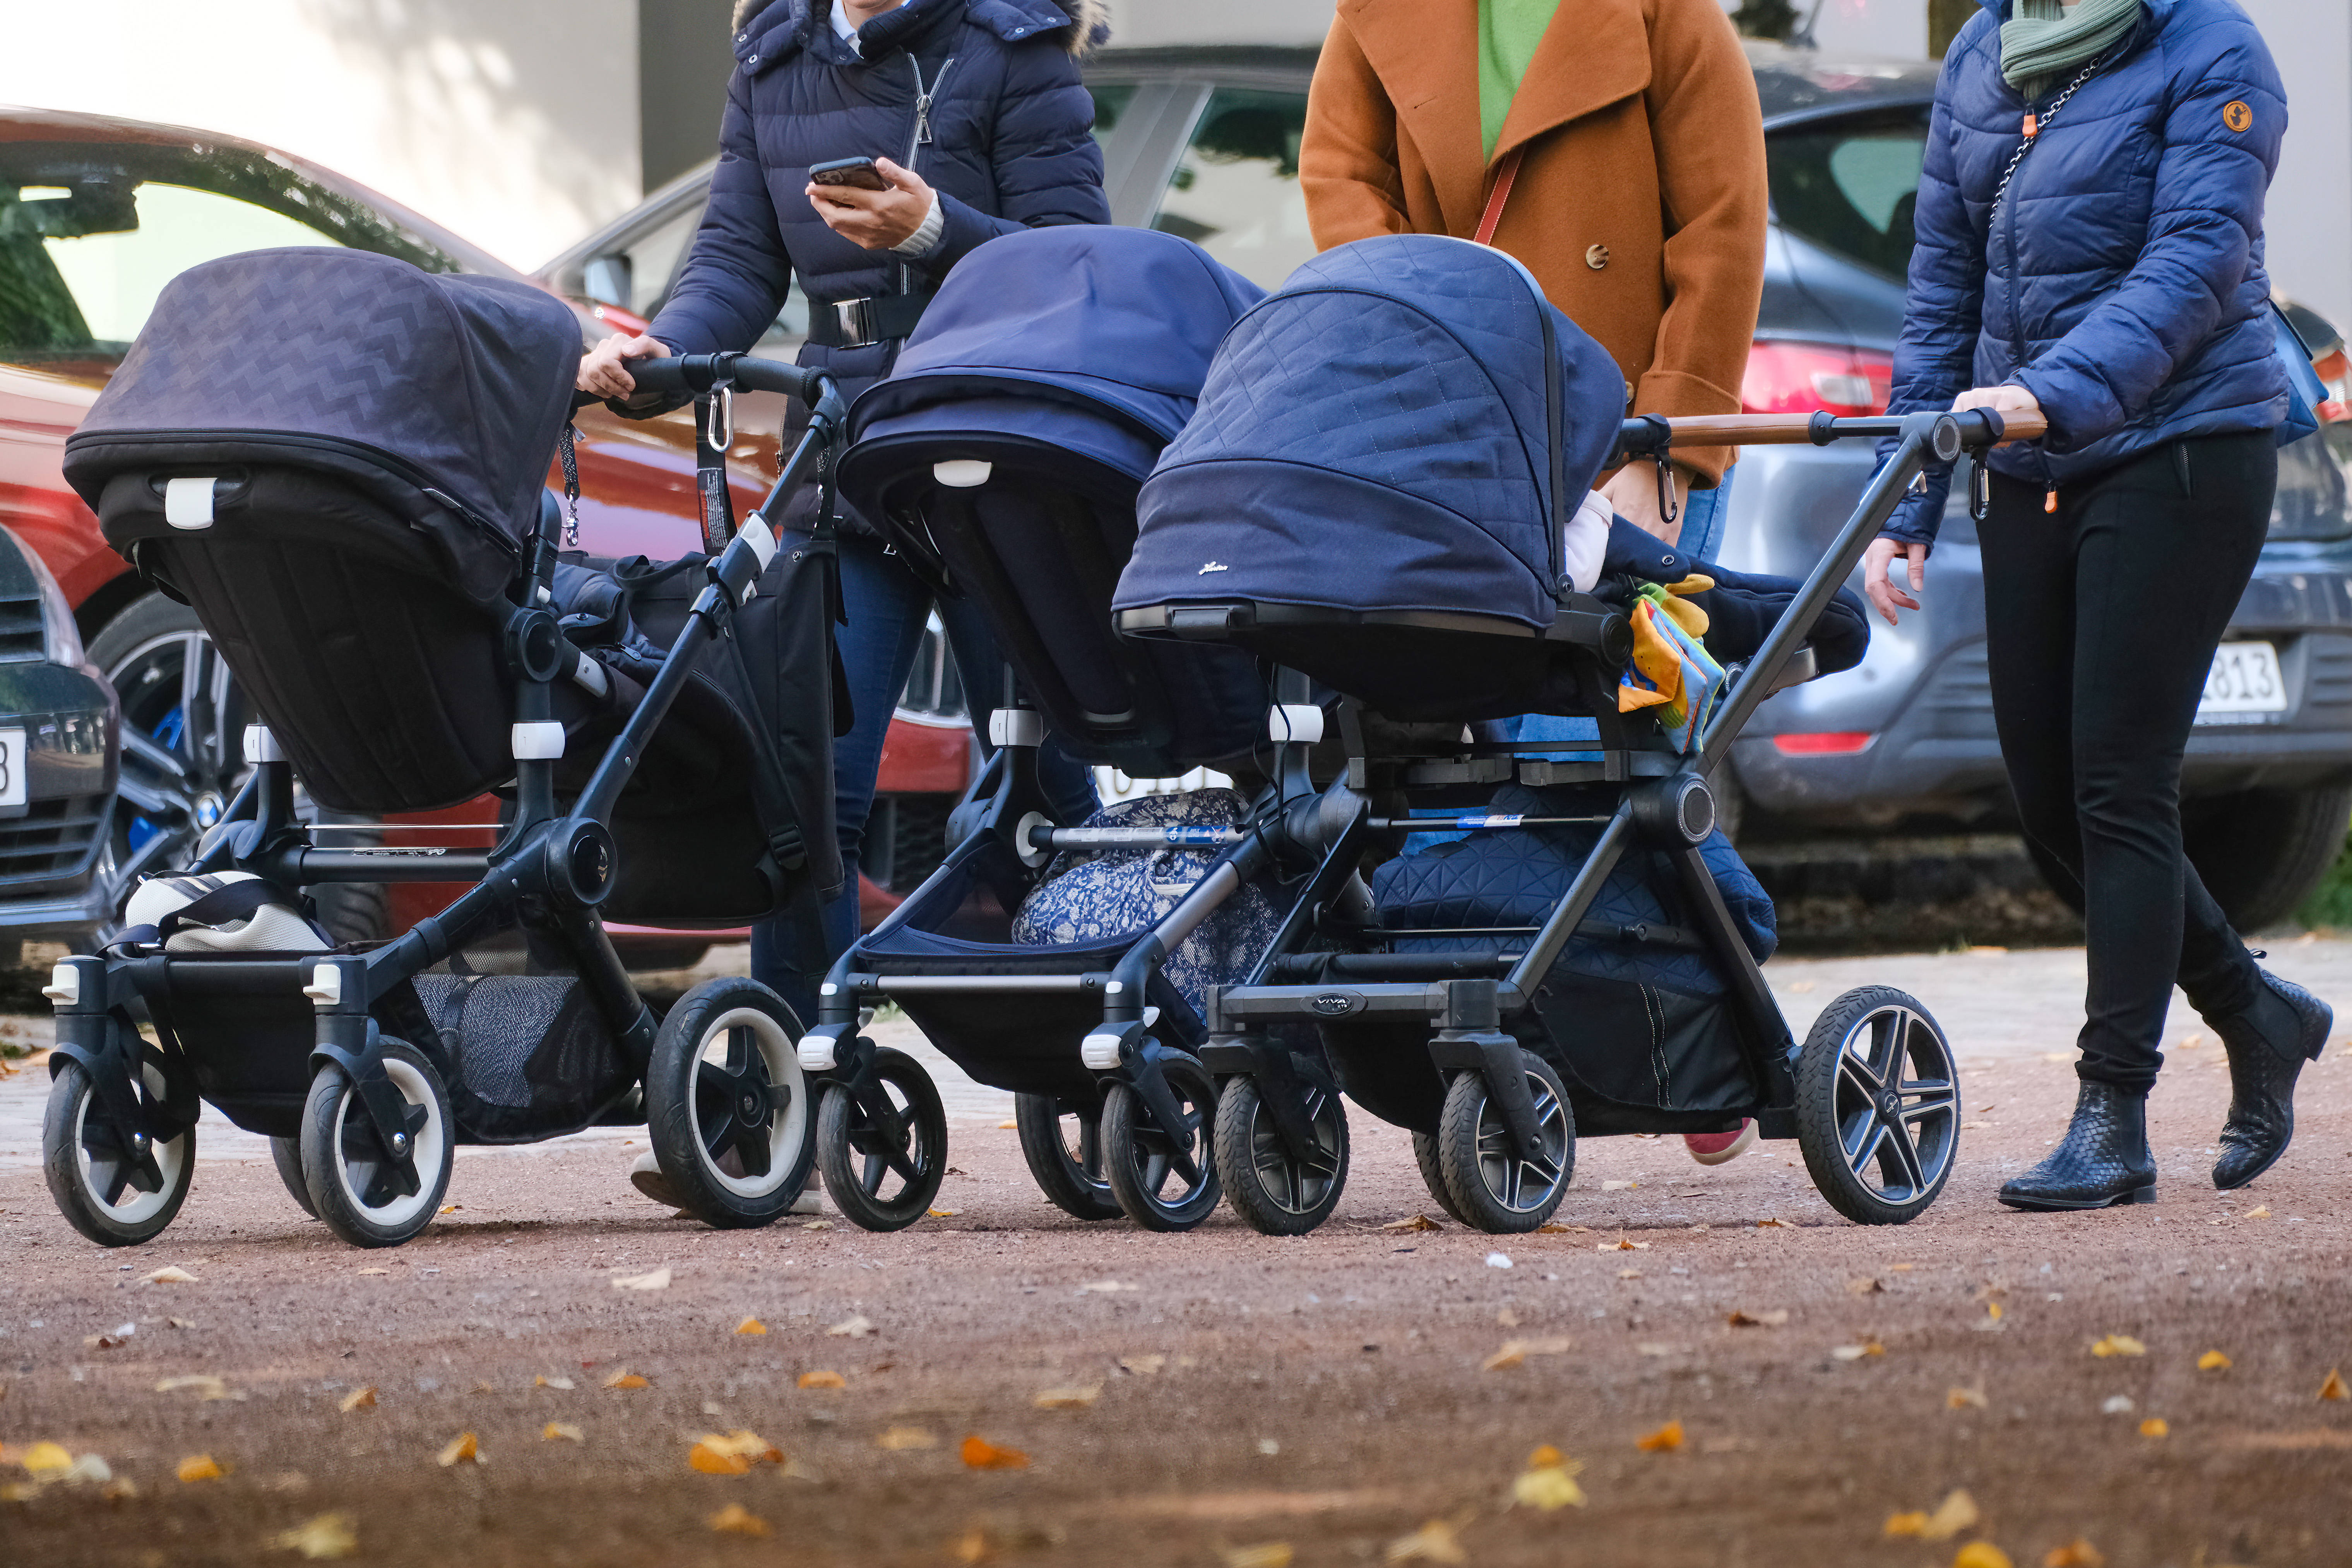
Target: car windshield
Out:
[1235,192]
[1849,185]
[91,231]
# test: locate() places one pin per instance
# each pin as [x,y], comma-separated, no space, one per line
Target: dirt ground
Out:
[1233,1390]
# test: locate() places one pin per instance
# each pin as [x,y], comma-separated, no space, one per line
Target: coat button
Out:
[752,60]
[1596,257]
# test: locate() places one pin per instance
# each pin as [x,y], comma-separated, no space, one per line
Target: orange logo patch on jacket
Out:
[2236,115]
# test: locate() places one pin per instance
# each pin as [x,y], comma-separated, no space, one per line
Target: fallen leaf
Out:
[1957,1512]
[1981,1554]
[180,1323]
[1864,1287]
[562,1382]
[200,1467]
[1629,1274]
[818,1225]
[1992,1311]
[1515,1353]
[202,1383]
[943,1214]
[462,1449]
[2076,1554]
[657,1280]
[1143,1365]
[1664,1440]
[1907,1524]
[855,1328]
[2261,1212]
[2155,1426]
[750,1326]
[1548,1483]
[1074,1398]
[1271,1554]
[713,1461]
[1958,1398]
[89,1469]
[449,1208]
[736,1519]
[899,1438]
[1507,1319]
[1433,1542]
[1856,1352]
[981,1454]
[1006,1126]
[323,1539]
[2333,1387]
[43,1458]
[103,1342]
[625,1378]
[1774,1225]
[564,1430]
[823,1380]
[172,1274]
[2213,1360]
[2118,1344]
[1107,1287]
[1620,1245]
[1619,1186]
[121,1489]
[1771,1320]
[358,1399]
[375,1270]
[1412,1222]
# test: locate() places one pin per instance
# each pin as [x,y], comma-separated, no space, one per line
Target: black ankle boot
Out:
[2103,1159]
[2268,1044]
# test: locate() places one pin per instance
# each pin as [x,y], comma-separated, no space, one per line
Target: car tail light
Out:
[1824,743]
[1797,378]
[628,321]
[2336,370]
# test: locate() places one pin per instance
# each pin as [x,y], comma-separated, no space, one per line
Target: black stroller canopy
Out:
[1401,427]
[403,381]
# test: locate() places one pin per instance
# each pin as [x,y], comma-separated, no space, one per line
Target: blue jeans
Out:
[886,606]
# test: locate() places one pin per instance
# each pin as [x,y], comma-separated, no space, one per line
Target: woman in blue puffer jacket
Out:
[2089,248]
[974,112]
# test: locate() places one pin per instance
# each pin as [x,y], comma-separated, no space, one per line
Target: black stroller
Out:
[1373,492]
[1002,457]
[341,462]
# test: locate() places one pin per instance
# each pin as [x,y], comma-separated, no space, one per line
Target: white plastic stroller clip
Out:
[962,473]
[816,1053]
[1299,721]
[1016,727]
[1099,1053]
[326,987]
[539,741]
[188,503]
[261,746]
[63,989]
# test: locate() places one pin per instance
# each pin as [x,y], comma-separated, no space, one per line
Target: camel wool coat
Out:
[1640,204]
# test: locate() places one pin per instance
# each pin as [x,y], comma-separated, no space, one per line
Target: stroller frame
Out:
[562,859]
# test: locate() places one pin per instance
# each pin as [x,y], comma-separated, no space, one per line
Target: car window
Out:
[1851,186]
[1111,99]
[1235,191]
[90,232]
[637,276]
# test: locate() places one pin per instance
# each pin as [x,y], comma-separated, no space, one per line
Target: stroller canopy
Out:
[1402,426]
[439,395]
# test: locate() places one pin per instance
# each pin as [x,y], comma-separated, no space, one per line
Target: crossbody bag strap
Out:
[1505,173]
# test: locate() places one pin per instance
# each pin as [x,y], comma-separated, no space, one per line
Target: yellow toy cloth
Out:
[1671,668]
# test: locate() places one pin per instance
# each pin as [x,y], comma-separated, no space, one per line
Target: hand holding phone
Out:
[858,174]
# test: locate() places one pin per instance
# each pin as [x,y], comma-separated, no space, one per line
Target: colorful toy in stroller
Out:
[340,462]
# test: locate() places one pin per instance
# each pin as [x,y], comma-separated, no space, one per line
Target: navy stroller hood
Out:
[1403,426]
[439,394]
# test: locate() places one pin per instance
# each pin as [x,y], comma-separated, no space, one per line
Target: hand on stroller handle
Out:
[686,376]
[1650,435]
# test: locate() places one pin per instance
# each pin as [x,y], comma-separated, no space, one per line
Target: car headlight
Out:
[60,638]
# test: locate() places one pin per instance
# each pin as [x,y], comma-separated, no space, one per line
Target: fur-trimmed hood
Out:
[1087,21]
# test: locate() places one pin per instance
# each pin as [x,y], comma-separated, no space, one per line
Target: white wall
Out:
[2309,219]
[1895,28]
[1148,24]
[512,122]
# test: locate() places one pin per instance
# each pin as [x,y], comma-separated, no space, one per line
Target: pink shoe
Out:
[1715,1148]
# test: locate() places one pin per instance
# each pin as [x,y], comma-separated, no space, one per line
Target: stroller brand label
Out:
[1335,1003]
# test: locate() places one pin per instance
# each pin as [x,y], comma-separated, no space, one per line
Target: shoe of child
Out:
[1715,1148]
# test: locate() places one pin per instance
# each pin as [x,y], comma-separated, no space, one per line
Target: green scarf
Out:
[1509,32]
[2040,42]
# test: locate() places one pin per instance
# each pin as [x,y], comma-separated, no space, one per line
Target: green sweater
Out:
[1509,32]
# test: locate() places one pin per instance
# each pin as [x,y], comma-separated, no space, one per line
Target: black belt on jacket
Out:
[859,323]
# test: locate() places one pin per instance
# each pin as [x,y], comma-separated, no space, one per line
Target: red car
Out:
[96,216]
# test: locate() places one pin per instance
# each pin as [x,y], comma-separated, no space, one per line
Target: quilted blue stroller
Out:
[1002,458]
[1374,492]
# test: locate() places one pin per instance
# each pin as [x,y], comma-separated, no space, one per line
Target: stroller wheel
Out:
[286,1153]
[107,1186]
[727,1105]
[1878,1106]
[1166,1177]
[1269,1186]
[884,1157]
[1432,1175]
[1496,1186]
[1064,1153]
[357,1188]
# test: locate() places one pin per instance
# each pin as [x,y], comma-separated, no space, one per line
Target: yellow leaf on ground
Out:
[1957,1398]
[1620,1245]
[1771,1320]
[943,1214]
[1992,1311]
[1549,1482]
[2155,1426]
[1270,1555]
[657,1280]
[1957,1512]
[1006,1126]
[200,1467]
[1619,1186]
[1515,1353]
[449,1208]
[1076,1398]
[625,1378]
[323,1539]
[2118,1344]
[564,1430]
[1774,1225]
[2333,1387]
[713,1461]
[1981,1554]
[359,1399]
[202,1383]
[2213,1360]
[2261,1212]
[172,1274]
[562,1382]
[969,1547]
[982,1454]
[1433,1542]
[898,1439]
[1907,1524]
[2076,1554]
[750,1326]
[1412,1222]
[1664,1440]
[736,1519]
[462,1449]
[1856,1352]
[43,1458]
[855,1328]
[823,1380]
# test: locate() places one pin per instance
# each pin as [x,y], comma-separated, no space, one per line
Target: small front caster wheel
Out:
[286,1153]
[1497,1186]
[726,1106]
[116,1185]
[364,1193]
[1878,1106]
[885,1154]
[1273,1189]
[1165,1177]
[1063,1148]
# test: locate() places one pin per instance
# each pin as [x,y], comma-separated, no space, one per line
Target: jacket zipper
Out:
[923,96]
[2017,323]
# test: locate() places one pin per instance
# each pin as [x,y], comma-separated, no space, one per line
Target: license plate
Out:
[12,767]
[2244,686]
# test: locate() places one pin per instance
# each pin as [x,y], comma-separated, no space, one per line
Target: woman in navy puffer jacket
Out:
[2116,286]
[974,112]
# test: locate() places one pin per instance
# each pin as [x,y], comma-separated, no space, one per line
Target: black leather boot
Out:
[2103,1160]
[2268,1044]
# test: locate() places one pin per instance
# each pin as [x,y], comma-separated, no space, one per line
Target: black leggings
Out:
[2102,621]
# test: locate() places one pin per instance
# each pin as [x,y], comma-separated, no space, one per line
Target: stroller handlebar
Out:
[1650,434]
[686,376]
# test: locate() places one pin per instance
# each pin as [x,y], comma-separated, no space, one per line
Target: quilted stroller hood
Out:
[439,394]
[1402,426]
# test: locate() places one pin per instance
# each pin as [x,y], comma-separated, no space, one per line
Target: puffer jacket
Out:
[1005,138]
[2123,282]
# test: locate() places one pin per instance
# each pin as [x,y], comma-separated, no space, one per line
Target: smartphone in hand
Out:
[858,173]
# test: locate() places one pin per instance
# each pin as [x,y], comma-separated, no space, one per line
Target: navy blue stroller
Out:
[1002,458]
[1373,492]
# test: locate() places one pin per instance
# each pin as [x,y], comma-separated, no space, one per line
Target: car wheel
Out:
[183,718]
[2261,853]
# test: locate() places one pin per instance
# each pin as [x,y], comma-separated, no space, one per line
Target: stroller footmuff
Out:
[340,462]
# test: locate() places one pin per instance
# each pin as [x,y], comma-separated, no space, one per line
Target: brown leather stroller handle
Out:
[1797,429]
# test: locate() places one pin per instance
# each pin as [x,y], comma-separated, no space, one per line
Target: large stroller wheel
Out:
[357,1188]
[1270,1187]
[1878,1106]
[286,1153]
[726,1106]
[107,1186]
[1146,1163]
[1498,1187]
[884,1159]
[1432,1175]
[1064,1153]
